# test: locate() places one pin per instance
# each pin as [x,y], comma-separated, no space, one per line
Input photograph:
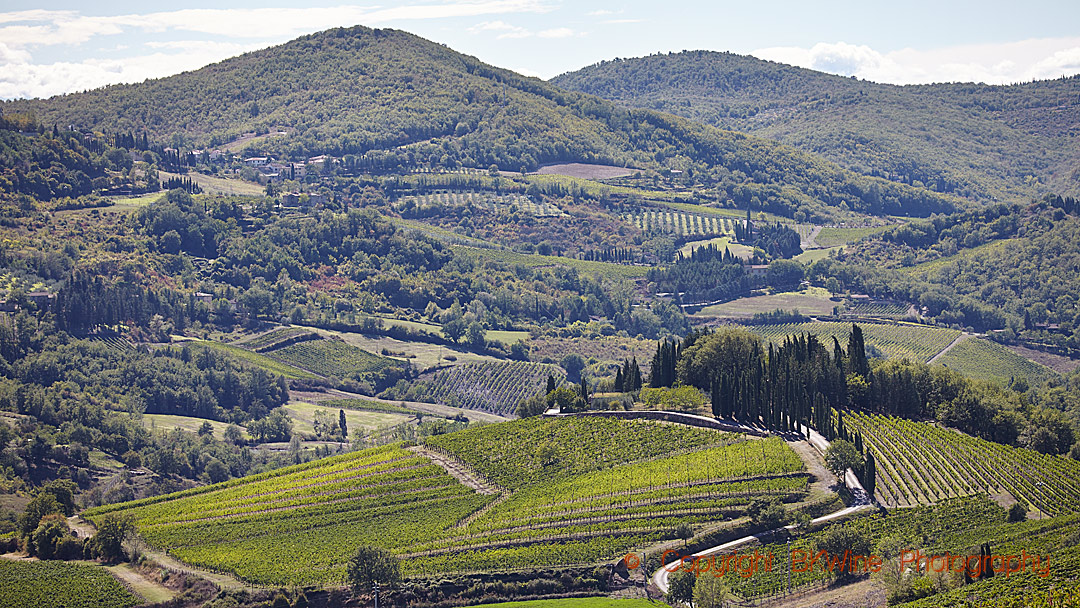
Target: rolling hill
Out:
[393,100]
[978,141]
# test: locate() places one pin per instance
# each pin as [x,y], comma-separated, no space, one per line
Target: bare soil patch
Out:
[586,170]
[1058,363]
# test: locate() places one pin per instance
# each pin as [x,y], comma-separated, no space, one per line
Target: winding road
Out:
[861,502]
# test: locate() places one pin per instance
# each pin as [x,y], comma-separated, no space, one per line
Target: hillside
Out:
[399,101]
[977,141]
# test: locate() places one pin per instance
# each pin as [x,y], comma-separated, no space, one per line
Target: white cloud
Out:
[618,21]
[23,31]
[505,29]
[43,27]
[1004,63]
[558,32]
[21,78]
[602,13]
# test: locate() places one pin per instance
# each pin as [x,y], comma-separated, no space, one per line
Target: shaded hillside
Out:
[406,101]
[978,141]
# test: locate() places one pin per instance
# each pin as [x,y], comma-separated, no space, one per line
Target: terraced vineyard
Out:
[920,463]
[496,387]
[485,200]
[300,525]
[536,450]
[328,357]
[986,360]
[633,482]
[682,223]
[914,342]
[114,342]
[272,338]
[49,584]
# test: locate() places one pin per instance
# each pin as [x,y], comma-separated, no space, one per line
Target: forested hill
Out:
[407,101]
[978,141]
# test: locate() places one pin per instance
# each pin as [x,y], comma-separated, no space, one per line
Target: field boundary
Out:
[677,417]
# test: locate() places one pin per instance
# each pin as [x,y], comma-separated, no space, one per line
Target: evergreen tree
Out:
[550,384]
[870,475]
[343,425]
[857,352]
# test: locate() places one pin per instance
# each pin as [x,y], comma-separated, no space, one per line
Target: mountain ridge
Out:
[983,142]
[395,95]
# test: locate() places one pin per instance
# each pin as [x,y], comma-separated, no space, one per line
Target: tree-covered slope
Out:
[408,101]
[978,141]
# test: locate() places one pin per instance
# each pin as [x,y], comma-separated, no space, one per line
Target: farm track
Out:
[951,345]
[458,470]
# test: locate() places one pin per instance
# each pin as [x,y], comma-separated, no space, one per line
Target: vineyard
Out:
[55,584]
[329,357]
[921,464]
[681,223]
[261,361]
[114,342]
[496,387]
[425,203]
[300,525]
[986,360]
[536,450]
[274,338]
[947,524]
[885,310]
[574,491]
[914,342]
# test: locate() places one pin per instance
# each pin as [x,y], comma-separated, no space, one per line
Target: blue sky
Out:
[49,48]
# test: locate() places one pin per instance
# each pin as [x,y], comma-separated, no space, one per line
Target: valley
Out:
[370,318]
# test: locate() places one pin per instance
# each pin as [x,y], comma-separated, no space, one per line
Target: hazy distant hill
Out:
[350,91]
[979,141]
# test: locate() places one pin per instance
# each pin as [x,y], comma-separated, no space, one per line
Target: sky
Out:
[55,47]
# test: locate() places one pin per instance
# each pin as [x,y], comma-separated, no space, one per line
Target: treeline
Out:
[707,274]
[801,381]
[181,183]
[49,164]
[1002,265]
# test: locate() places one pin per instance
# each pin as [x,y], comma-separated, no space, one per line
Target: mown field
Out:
[986,360]
[303,417]
[914,342]
[55,584]
[604,269]
[920,464]
[165,422]
[808,303]
[587,492]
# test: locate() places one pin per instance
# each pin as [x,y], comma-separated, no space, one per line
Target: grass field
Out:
[993,247]
[424,355]
[330,357]
[742,251]
[814,301]
[165,422]
[986,360]
[531,260]
[810,256]
[603,348]
[217,185]
[900,341]
[303,415]
[256,359]
[832,237]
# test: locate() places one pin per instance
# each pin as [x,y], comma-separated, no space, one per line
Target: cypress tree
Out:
[550,384]
[870,475]
[619,379]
